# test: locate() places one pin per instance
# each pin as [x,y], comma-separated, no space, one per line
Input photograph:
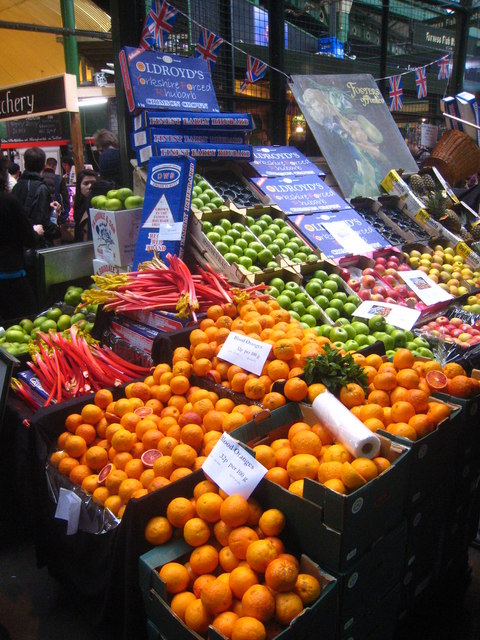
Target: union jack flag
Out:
[255,70]
[147,39]
[421,82]
[395,93]
[444,67]
[160,20]
[207,46]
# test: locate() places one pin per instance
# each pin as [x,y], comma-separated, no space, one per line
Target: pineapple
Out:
[416,184]
[466,236]
[476,232]
[428,182]
[436,205]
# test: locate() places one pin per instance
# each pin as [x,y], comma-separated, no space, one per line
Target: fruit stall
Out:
[253,419]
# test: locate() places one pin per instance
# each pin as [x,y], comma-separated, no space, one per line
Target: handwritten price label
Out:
[423,216]
[231,467]
[245,352]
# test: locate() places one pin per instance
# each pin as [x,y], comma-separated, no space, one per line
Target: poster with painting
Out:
[354,129]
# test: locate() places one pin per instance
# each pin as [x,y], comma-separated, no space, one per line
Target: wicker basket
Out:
[456,156]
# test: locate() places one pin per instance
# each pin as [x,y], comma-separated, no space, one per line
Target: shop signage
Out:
[245,352]
[157,80]
[395,314]
[339,233]
[354,129]
[36,129]
[300,194]
[282,161]
[433,37]
[42,97]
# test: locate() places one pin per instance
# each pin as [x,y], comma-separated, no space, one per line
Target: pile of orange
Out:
[163,413]
[451,379]
[399,396]
[239,577]
[265,321]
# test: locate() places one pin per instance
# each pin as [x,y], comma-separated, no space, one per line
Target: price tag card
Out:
[68,508]
[347,238]
[245,352]
[233,468]
[394,314]
[427,290]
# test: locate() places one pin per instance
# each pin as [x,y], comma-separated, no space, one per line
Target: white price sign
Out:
[245,352]
[394,314]
[347,237]
[233,468]
[427,290]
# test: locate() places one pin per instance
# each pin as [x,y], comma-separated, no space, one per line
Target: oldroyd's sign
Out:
[41,97]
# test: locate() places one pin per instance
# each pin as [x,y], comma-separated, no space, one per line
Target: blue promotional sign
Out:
[157,80]
[339,233]
[282,161]
[300,194]
[166,206]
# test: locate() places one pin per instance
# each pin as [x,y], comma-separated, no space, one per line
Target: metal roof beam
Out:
[22,26]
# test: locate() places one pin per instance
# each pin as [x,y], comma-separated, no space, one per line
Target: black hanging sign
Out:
[42,97]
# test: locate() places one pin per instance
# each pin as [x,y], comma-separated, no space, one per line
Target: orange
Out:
[113,504]
[296,427]
[255,511]
[225,622]
[203,487]
[75,446]
[90,483]
[302,465]
[272,522]
[183,455]
[374,424]
[221,531]
[192,435]
[371,410]
[166,445]
[130,421]
[374,360]
[163,467]
[179,472]
[127,487]
[79,472]
[453,369]
[114,480]
[96,458]
[227,560]
[248,628]
[438,411]
[91,414]
[423,424]
[408,378]
[277,370]
[381,463]
[201,582]
[121,406]
[335,484]
[57,456]
[281,575]
[436,380]
[158,531]
[323,433]
[234,511]
[258,602]
[379,397]
[287,607]
[273,400]
[282,456]
[87,432]
[233,420]
[352,395]
[175,577]
[208,506]
[403,430]
[260,553]
[418,399]
[100,495]
[460,386]
[157,483]
[337,452]
[365,467]
[196,532]
[216,596]
[102,398]
[179,603]
[204,559]
[279,476]
[265,455]
[403,359]
[296,487]
[123,440]
[197,617]
[72,422]
[329,470]
[295,389]
[179,511]
[402,411]
[254,389]
[385,381]
[239,539]
[315,390]
[284,349]
[241,579]
[308,588]
[213,420]
[351,478]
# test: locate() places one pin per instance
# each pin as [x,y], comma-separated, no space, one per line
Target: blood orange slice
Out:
[436,380]
[149,456]
[103,473]
[143,412]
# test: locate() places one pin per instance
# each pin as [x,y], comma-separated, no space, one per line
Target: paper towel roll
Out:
[346,428]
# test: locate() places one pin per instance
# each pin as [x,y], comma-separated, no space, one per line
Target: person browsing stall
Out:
[108,157]
[83,192]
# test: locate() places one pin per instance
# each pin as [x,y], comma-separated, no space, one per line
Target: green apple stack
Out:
[238,245]
[327,290]
[204,198]
[473,303]
[281,239]
[117,200]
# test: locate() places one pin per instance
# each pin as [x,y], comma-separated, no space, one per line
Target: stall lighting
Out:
[90,102]
[110,71]
[299,129]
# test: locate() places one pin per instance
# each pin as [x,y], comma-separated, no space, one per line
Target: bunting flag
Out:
[207,46]
[395,93]
[444,67]
[421,82]
[147,39]
[160,21]
[255,70]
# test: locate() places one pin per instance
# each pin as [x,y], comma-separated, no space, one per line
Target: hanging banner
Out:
[42,97]
[354,129]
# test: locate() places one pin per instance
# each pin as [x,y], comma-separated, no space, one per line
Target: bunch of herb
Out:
[334,370]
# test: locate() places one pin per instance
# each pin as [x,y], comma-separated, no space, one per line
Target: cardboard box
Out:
[347,525]
[135,333]
[158,80]
[115,234]
[160,320]
[277,161]
[100,267]
[202,150]
[166,208]
[159,135]
[378,622]
[212,121]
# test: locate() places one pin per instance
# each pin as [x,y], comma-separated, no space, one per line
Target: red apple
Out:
[403,267]
[455,333]
[390,280]
[344,274]
[380,260]
[380,269]
[354,284]
[402,290]
[364,294]
[368,272]
[391,300]
[465,327]
[367,281]
[444,320]
[379,289]
[378,298]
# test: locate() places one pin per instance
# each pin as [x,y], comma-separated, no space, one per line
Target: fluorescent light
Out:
[110,71]
[90,102]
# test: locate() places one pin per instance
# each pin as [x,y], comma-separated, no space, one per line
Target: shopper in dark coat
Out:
[108,157]
[83,192]
[34,196]
[57,187]
[17,297]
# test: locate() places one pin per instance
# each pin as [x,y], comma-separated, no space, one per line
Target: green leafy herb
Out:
[334,370]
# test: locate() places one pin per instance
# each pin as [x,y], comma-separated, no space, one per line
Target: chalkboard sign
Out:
[35,129]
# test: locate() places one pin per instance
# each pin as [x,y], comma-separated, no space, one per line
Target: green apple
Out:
[313,287]
[273,291]
[214,237]
[351,345]
[315,311]
[304,298]
[377,323]
[332,313]
[299,307]
[349,308]
[332,285]
[27,325]
[360,328]
[277,283]
[124,193]
[399,338]
[338,334]
[308,319]
[38,321]
[284,301]
[47,325]
[264,256]
[64,322]
[54,314]
[336,304]
[112,194]
[113,204]
[321,275]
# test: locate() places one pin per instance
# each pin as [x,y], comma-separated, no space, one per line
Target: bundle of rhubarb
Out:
[169,288]
[68,366]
